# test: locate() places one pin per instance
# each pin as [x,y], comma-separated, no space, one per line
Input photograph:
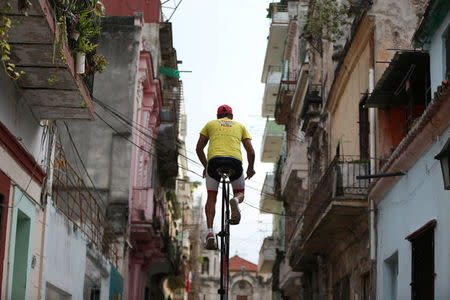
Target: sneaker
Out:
[210,241]
[235,213]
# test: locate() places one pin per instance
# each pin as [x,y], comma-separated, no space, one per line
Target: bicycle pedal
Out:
[221,234]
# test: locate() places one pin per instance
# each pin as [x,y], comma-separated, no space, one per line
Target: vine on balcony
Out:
[327,19]
[5,48]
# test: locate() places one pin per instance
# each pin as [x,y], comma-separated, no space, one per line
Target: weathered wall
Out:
[150,34]
[96,274]
[65,255]
[353,262]
[415,199]
[105,152]
[16,115]
[344,121]
[395,23]
[437,55]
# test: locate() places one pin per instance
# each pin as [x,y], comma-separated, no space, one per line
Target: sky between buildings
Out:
[224,43]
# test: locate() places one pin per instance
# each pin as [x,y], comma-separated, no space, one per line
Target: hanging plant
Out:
[5,48]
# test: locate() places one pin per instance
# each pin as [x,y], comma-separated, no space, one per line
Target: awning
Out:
[407,77]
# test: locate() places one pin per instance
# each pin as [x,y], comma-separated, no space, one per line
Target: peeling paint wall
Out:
[395,24]
[64,256]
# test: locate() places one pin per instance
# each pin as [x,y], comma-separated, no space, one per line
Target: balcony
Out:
[267,255]
[294,176]
[167,149]
[312,107]
[272,141]
[284,97]
[277,37]
[50,84]
[271,91]
[337,208]
[290,281]
[268,203]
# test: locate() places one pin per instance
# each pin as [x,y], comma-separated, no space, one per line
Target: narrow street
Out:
[331,119]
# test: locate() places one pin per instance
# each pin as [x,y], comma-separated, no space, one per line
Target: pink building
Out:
[154,156]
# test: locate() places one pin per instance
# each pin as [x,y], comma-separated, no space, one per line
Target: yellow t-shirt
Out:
[225,136]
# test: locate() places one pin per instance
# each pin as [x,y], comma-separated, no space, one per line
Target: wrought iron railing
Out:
[286,91]
[78,203]
[276,7]
[278,174]
[338,180]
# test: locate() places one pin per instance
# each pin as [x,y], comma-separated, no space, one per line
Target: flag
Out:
[188,282]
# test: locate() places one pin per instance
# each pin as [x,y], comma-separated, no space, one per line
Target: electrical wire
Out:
[140,147]
[82,163]
[119,116]
[124,119]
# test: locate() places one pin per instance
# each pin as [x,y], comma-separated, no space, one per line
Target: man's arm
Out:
[201,144]
[250,157]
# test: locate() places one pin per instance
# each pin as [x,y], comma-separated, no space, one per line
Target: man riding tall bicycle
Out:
[225,136]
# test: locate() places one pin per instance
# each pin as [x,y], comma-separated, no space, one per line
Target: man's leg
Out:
[238,192]
[210,208]
[239,196]
[212,187]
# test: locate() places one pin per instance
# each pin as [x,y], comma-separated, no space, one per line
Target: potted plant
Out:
[99,63]
[84,48]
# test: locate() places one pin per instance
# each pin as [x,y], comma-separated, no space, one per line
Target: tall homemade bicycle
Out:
[224,234]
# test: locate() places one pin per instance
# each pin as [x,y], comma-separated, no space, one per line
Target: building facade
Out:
[411,251]
[87,170]
[344,114]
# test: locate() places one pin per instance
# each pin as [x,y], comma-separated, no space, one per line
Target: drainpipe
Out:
[372,171]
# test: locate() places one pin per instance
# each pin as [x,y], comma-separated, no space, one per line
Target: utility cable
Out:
[82,163]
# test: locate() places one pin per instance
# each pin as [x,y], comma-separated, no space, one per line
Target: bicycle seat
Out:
[225,171]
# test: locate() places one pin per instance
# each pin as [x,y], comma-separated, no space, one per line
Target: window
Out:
[205,266]
[391,277]
[422,262]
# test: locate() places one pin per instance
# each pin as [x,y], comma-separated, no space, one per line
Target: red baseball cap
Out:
[224,109]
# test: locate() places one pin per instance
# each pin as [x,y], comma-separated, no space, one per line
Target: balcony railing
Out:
[339,181]
[311,109]
[286,91]
[276,7]
[79,204]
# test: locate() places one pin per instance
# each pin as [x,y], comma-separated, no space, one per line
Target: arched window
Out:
[205,266]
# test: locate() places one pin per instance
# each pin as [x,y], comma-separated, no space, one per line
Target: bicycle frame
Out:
[224,235]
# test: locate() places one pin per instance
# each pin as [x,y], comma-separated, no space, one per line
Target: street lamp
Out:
[444,157]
